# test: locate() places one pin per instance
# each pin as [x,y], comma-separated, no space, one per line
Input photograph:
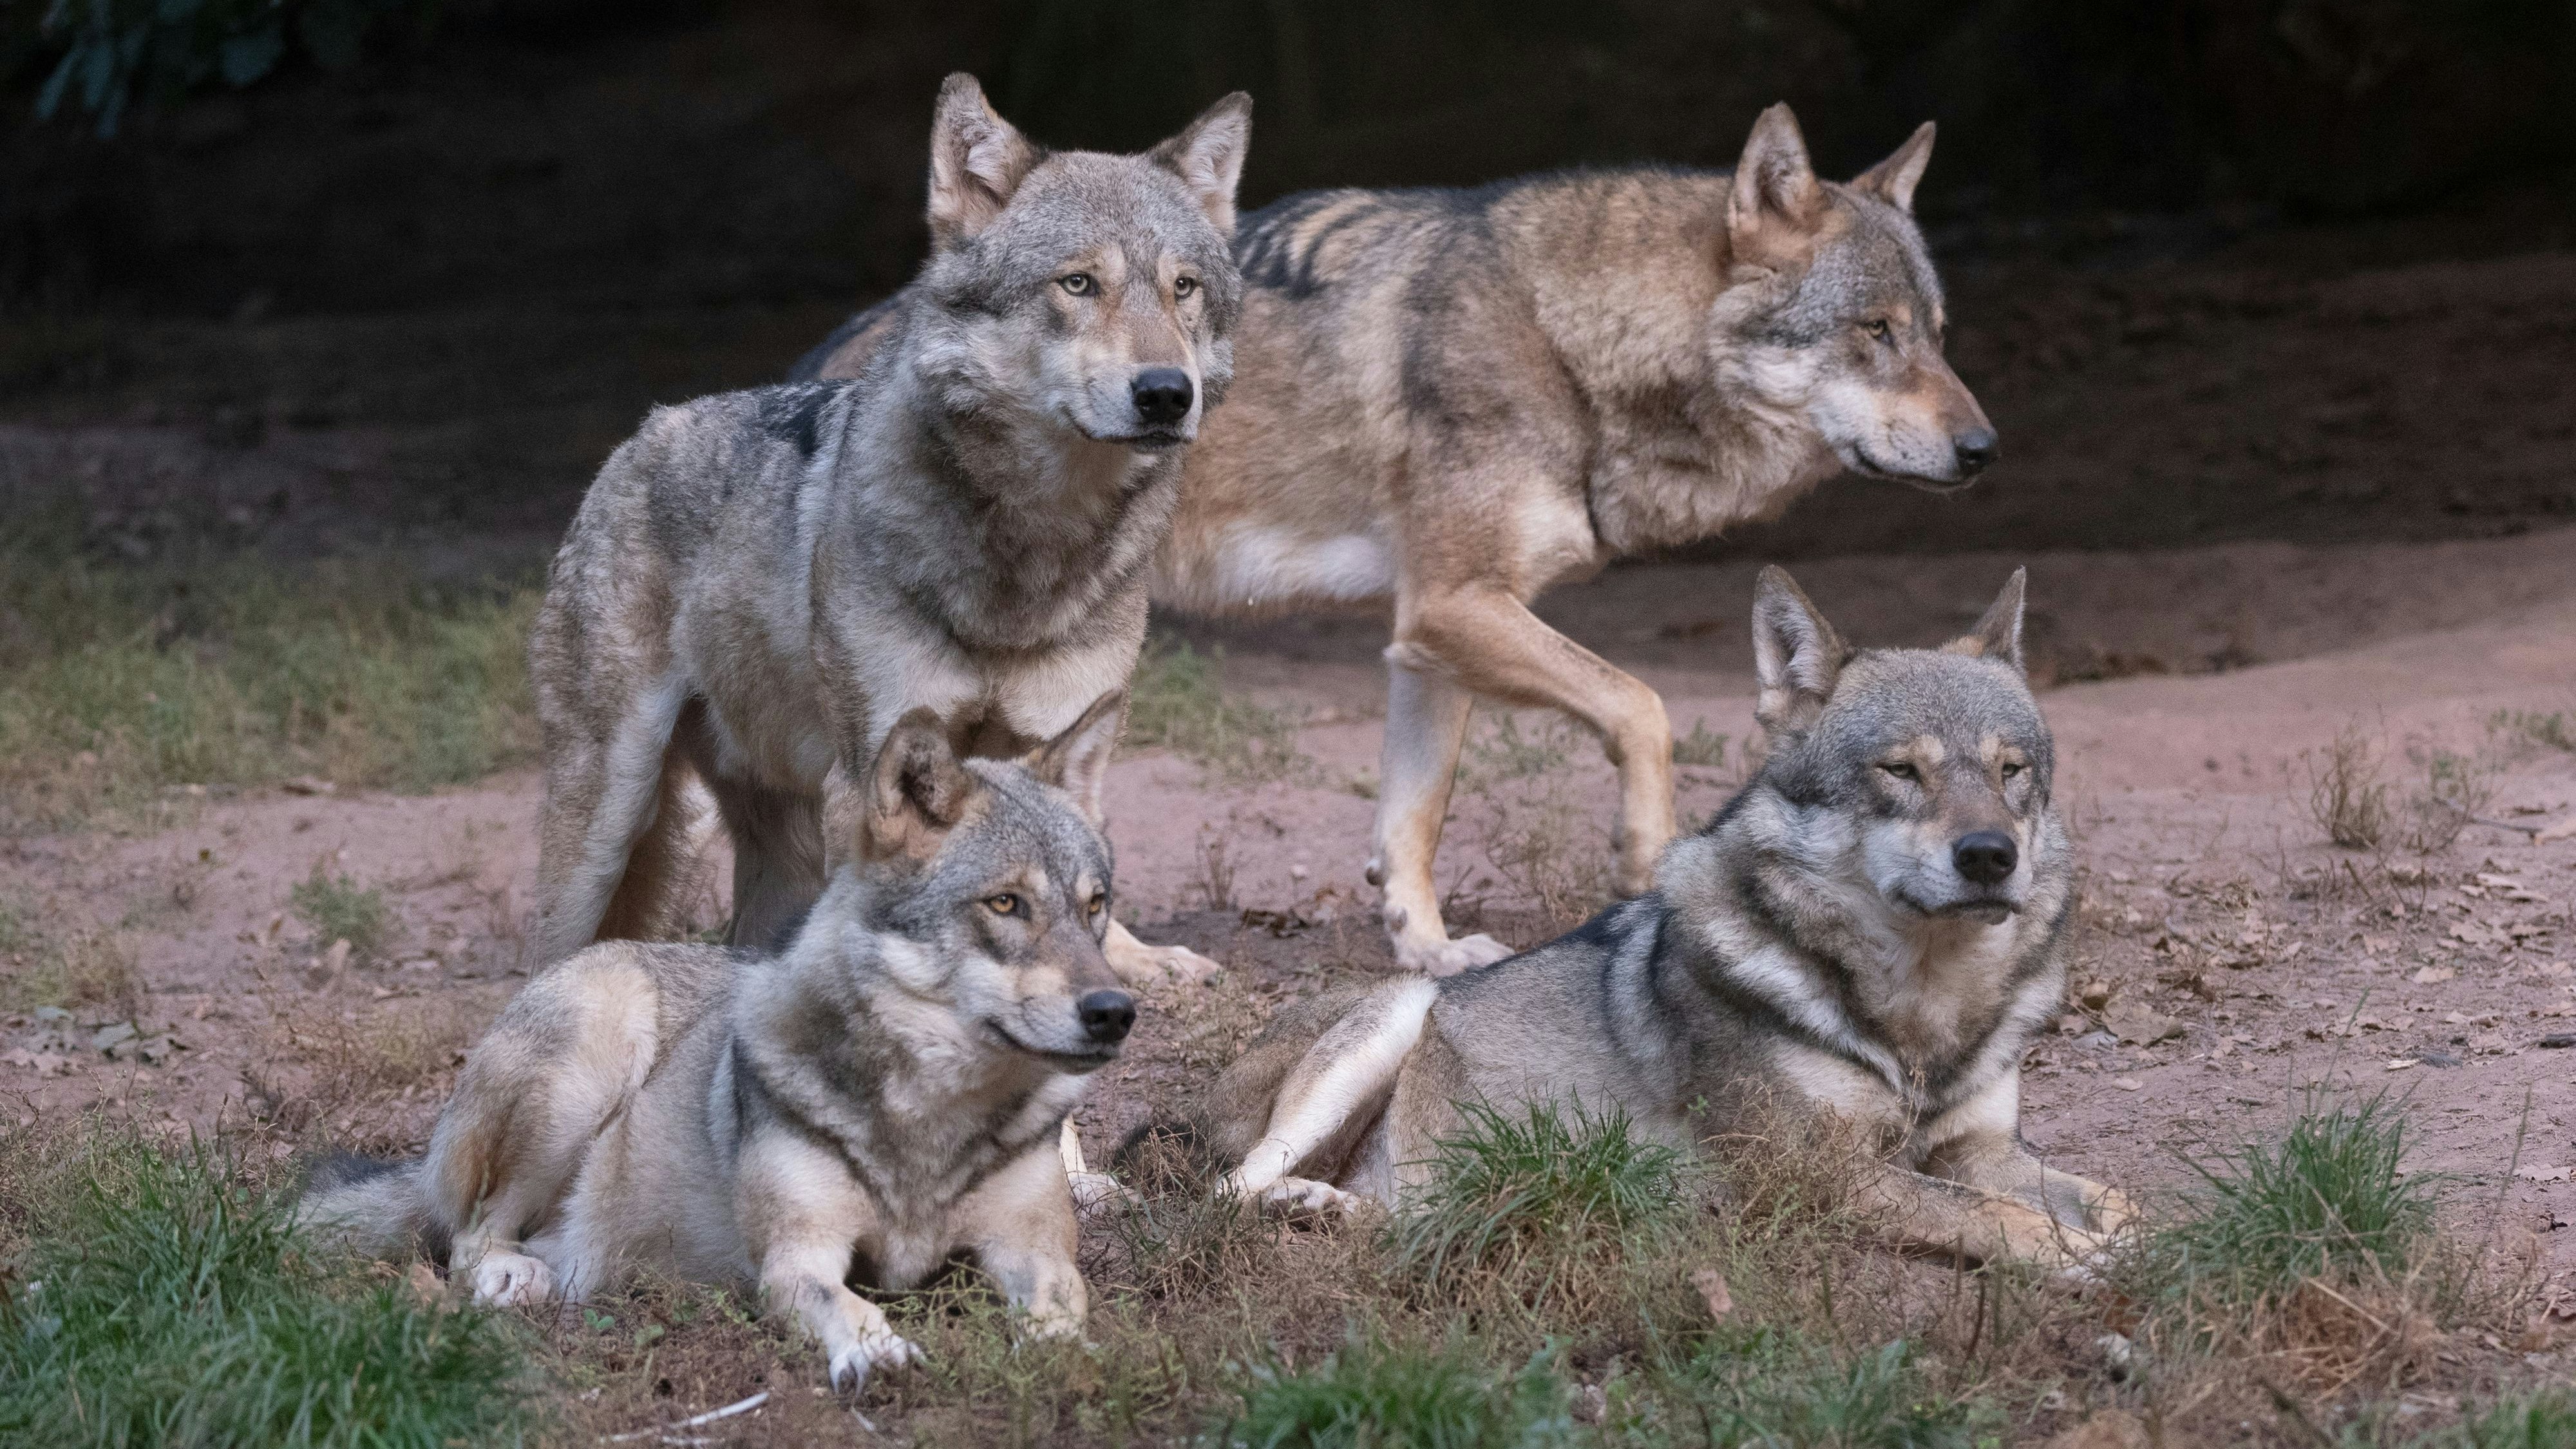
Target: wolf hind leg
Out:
[602,791]
[667,867]
[778,859]
[1349,1071]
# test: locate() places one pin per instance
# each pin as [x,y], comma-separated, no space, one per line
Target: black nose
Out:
[1162,395]
[1985,856]
[1107,1015]
[1975,449]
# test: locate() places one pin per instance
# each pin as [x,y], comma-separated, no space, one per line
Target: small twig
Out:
[2299,1416]
[709,1417]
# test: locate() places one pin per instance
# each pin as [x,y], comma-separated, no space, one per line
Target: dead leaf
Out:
[2541,1173]
[2560,831]
[2401,1064]
[2127,1084]
[423,1282]
[337,956]
[307,785]
[2109,1429]
[2433,975]
[1712,1291]
[2138,1024]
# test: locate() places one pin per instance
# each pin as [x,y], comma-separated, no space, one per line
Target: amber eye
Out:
[1004,904]
[1902,770]
[1184,286]
[1078,283]
[1097,904]
[1877,327]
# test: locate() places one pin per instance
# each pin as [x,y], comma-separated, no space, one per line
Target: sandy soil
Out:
[2231,957]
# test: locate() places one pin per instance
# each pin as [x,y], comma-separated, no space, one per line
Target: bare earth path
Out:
[2231,956]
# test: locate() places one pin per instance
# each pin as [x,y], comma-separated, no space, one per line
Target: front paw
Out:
[1304,1197]
[1097,1192]
[1143,965]
[512,1280]
[1449,957]
[852,1363]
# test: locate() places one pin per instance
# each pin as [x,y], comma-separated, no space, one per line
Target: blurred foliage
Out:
[114,53]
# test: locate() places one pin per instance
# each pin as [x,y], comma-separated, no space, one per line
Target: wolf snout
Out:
[1162,395]
[1107,1016]
[1985,857]
[1974,448]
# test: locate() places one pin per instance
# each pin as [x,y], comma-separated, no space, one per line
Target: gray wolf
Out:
[759,584]
[889,1092]
[1448,401]
[1867,935]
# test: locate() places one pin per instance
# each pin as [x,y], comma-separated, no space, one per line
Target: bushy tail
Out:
[375,1207]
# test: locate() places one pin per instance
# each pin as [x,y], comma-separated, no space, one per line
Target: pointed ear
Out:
[977,160]
[1772,207]
[1077,761]
[1797,656]
[1997,635]
[1893,179]
[1208,155]
[916,792]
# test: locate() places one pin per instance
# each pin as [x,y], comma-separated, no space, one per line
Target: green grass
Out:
[2328,1199]
[1536,1201]
[1370,1395]
[1503,753]
[158,1302]
[1702,747]
[2556,729]
[1765,1389]
[1178,702]
[339,910]
[118,683]
[2544,1420]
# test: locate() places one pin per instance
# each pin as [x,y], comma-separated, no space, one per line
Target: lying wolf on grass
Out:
[760,584]
[1870,932]
[887,1093]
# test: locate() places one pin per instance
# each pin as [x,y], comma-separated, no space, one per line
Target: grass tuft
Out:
[2327,1200]
[2346,796]
[163,1303]
[2544,1420]
[1767,1388]
[1702,747]
[1372,1395]
[1535,1201]
[338,909]
[1178,702]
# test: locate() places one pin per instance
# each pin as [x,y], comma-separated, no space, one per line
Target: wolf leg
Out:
[1426,719]
[802,1217]
[777,860]
[602,788]
[1913,1210]
[1349,1070]
[651,902]
[1486,641]
[1138,964]
[1019,1224]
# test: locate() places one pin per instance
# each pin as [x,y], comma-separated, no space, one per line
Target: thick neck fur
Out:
[919,1100]
[1934,1004]
[1630,290]
[1028,527]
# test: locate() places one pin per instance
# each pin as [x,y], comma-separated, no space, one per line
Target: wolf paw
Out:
[512,1280]
[1449,957]
[852,1364]
[1304,1197]
[1096,1191]
[1142,965]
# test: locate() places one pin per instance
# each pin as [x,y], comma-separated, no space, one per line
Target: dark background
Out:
[2278,268]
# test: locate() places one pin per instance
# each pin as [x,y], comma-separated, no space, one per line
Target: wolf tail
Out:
[377,1207]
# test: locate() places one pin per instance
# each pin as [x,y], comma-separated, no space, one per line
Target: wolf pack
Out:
[876,624]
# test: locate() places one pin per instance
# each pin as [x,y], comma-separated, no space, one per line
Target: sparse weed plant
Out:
[1178,701]
[339,909]
[1369,1394]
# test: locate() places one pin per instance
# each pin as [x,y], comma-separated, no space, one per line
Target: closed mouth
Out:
[1075,1061]
[1991,910]
[1151,440]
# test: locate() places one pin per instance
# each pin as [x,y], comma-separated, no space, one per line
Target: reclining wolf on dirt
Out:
[888,1091]
[761,583]
[1872,930]
[1451,400]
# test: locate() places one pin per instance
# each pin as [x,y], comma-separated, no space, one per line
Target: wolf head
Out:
[1087,292]
[1833,314]
[1937,760]
[982,888]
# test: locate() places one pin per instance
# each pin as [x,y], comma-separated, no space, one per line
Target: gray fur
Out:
[1813,951]
[889,1091]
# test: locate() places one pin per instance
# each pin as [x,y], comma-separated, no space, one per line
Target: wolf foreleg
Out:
[1426,720]
[1019,1225]
[1352,1067]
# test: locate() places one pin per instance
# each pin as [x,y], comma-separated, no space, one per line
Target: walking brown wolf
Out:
[1448,401]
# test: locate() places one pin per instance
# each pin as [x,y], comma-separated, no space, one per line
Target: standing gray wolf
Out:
[761,583]
[886,1093]
[1869,933]
[1452,400]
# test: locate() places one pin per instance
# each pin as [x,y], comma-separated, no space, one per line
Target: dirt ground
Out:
[2231,956]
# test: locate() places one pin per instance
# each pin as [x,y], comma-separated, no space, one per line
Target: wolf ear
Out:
[1078,760]
[1893,180]
[916,792]
[1208,155]
[1771,208]
[977,160]
[1997,635]
[1797,656]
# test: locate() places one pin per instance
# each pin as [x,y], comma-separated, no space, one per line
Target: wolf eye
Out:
[2011,768]
[1004,904]
[1902,770]
[1077,283]
[1097,903]
[1184,286]
[1877,327]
